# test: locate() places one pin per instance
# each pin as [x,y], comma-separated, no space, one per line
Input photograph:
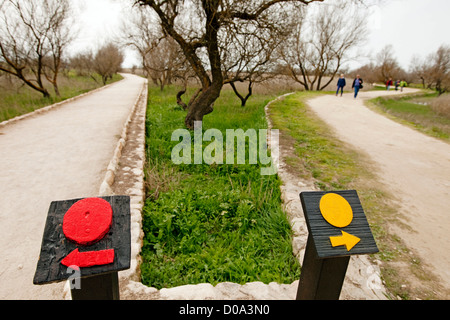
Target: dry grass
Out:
[425,112]
[441,105]
[283,83]
[278,84]
[160,177]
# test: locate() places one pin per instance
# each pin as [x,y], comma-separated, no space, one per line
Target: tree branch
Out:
[243,15]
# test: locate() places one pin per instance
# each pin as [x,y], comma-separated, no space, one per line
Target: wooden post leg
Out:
[321,279]
[99,287]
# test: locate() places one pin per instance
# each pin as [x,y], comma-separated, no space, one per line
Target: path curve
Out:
[60,154]
[414,166]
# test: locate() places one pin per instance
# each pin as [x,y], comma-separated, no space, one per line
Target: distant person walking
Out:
[357,85]
[340,85]
[388,84]
[403,84]
[397,84]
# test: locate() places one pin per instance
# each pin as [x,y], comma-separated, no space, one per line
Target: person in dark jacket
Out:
[340,85]
[357,84]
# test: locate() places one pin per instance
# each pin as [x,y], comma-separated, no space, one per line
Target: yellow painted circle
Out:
[336,210]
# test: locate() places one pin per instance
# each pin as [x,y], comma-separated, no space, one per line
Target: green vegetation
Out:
[417,112]
[17,99]
[211,223]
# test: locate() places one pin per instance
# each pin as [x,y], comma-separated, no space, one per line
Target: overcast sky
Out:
[412,27]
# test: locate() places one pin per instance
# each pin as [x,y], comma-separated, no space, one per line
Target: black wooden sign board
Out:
[336,236]
[56,246]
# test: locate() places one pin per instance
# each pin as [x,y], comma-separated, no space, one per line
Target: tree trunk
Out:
[45,93]
[180,101]
[203,105]
[243,99]
[29,83]
[210,89]
[55,87]
[54,82]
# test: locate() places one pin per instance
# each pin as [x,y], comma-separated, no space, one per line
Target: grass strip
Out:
[211,223]
[415,111]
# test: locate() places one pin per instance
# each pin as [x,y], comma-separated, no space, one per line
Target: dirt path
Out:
[414,166]
[60,154]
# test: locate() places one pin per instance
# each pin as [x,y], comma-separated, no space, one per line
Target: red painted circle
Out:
[87,221]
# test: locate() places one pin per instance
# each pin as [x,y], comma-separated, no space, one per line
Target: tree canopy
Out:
[201,28]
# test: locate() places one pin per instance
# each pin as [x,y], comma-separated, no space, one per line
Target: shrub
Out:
[441,105]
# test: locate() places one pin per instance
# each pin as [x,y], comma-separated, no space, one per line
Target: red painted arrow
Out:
[89,258]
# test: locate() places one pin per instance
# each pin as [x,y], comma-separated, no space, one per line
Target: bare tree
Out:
[32,40]
[161,56]
[60,35]
[388,66]
[370,72]
[163,61]
[418,69]
[320,43]
[439,70]
[247,52]
[434,71]
[107,61]
[199,39]
[82,63]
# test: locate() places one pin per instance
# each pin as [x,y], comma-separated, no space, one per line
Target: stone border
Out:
[137,193]
[131,162]
[137,197]
[108,181]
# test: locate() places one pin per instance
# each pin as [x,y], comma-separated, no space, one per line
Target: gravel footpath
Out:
[60,153]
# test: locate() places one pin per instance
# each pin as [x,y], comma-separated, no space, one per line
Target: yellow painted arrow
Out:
[346,239]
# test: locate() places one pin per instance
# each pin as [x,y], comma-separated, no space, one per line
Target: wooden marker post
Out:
[337,228]
[86,241]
